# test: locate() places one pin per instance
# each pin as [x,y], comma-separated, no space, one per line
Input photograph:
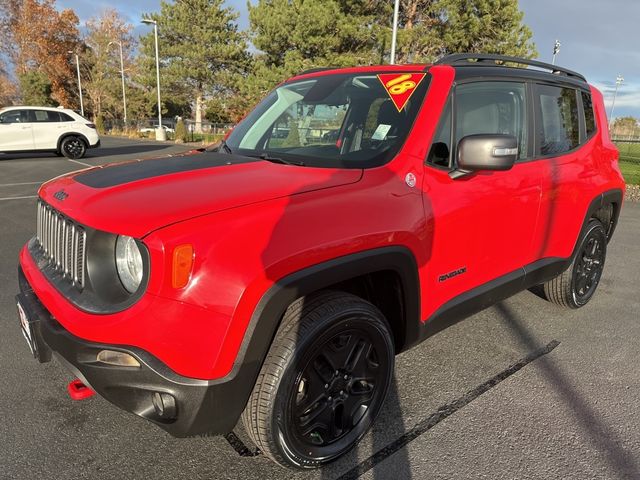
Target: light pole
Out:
[160,133]
[79,81]
[124,95]
[394,32]
[556,50]
[619,81]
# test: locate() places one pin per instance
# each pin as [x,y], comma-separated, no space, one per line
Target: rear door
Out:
[565,147]
[47,128]
[482,225]
[15,131]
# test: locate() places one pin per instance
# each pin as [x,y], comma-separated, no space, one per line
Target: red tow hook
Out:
[79,391]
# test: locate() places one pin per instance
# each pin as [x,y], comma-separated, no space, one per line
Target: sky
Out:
[599,38]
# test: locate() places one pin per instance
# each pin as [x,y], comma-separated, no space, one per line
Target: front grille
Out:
[63,243]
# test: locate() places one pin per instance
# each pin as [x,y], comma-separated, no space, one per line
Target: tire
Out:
[324,349]
[73,147]
[576,286]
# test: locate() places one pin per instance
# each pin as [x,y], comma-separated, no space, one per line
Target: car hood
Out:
[134,198]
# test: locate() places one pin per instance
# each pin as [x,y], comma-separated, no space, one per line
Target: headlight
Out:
[128,263]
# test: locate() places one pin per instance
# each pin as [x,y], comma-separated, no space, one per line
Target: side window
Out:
[14,116]
[558,125]
[589,117]
[492,108]
[41,116]
[440,151]
[64,117]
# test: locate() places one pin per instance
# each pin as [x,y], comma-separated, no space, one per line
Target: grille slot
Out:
[63,243]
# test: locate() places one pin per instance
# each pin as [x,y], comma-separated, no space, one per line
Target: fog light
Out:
[119,359]
[164,405]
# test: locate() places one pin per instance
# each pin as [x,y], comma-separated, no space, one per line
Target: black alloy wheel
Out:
[336,385]
[73,147]
[323,382]
[574,287]
[589,265]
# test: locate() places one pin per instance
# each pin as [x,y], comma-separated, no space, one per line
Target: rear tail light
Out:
[91,125]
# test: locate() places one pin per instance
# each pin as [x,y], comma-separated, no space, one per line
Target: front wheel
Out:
[323,382]
[576,286]
[73,147]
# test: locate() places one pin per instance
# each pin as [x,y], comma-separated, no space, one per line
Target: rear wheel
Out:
[73,147]
[575,286]
[323,382]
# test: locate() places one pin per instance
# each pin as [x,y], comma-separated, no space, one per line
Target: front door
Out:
[15,131]
[482,225]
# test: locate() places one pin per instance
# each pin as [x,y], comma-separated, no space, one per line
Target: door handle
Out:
[24,128]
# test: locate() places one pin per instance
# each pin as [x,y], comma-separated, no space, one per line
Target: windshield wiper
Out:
[223,147]
[268,158]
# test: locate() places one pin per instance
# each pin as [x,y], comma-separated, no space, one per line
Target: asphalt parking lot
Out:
[521,390]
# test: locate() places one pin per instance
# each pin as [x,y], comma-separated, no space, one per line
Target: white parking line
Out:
[23,183]
[81,163]
[18,198]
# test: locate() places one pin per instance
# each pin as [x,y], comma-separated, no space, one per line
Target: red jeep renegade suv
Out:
[351,215]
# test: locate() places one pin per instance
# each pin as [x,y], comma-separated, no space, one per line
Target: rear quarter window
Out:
[589,117]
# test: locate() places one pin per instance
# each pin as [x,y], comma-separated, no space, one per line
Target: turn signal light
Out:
[182,265]
[119,359]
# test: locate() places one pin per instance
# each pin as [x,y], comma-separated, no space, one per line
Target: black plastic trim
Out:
[214,406]
[266,318]
[483,296]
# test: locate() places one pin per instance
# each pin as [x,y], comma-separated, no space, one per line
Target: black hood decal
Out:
[111,176]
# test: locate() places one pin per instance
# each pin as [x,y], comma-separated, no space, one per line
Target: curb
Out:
[633,193]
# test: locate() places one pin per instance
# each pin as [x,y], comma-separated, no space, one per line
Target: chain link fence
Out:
[629,158]
[205,133]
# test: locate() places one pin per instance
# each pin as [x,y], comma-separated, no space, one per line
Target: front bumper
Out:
[199,406]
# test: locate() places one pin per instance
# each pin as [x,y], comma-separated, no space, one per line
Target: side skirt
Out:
[479,298]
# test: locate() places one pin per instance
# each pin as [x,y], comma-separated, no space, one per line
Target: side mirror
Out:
[485,152]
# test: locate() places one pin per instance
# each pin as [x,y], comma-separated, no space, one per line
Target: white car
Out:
[46,129]
[154,128]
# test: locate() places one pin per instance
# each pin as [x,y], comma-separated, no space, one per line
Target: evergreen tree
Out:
[293,35]
[202,52]
[36,89]
[487,26]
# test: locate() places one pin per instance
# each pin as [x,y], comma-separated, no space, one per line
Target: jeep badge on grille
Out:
[61,195]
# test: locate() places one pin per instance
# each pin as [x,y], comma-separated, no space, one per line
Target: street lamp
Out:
[394,33]
[124,95]
[160,133]
[79,81]
[556,50]
[619,81]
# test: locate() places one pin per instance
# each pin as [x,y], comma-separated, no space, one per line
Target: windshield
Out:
[340,120]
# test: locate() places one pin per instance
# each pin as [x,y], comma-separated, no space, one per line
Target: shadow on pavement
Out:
[602,436]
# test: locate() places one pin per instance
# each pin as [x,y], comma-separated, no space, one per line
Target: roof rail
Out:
[491,59]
